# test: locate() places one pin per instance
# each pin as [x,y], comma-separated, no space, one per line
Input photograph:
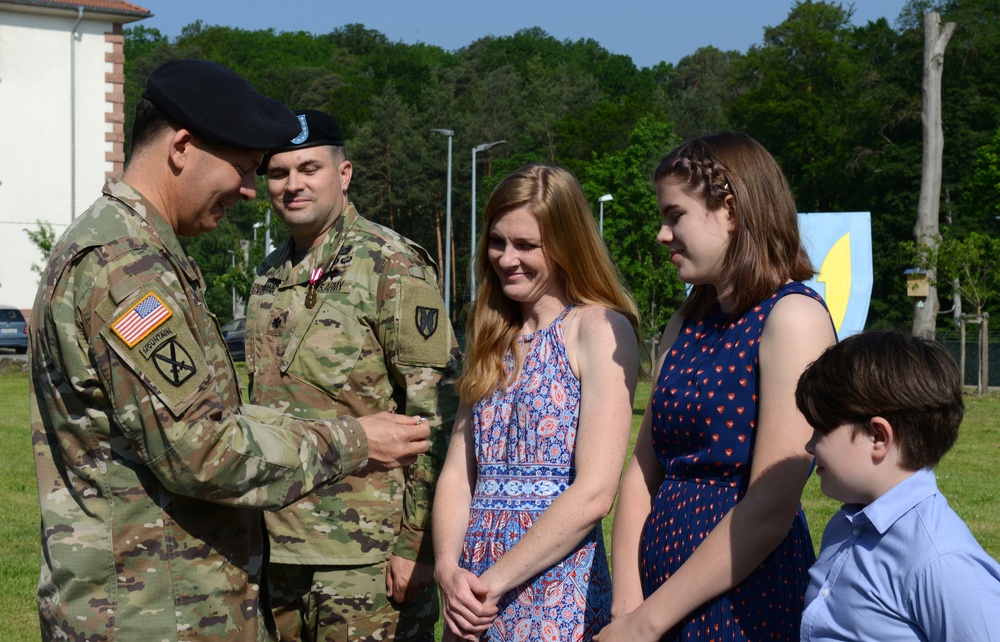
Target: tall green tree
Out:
[972,266]
[793,99]
[970,101]
[383,154]
[549,96]
[699,89]
[982,190]
[631,220]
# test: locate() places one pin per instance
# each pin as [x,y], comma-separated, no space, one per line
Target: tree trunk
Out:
[936,39]
[440,251]
[961,350]
[984,354]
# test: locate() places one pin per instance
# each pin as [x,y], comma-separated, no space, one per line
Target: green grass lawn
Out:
[18,514]
[966,476]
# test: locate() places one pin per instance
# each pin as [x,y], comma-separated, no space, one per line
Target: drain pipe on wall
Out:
[72,113]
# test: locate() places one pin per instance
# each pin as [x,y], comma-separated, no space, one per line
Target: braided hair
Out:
[731,169]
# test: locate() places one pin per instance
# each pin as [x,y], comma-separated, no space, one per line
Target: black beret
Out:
[317,128]
[217,104]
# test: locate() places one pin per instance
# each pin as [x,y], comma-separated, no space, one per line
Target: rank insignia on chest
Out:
[426,320]
[141,319]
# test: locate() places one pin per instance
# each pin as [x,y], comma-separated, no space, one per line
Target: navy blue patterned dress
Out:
[525,439]
[703,430]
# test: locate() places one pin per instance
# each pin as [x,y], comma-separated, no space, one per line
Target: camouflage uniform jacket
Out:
[376,339]
[137,425]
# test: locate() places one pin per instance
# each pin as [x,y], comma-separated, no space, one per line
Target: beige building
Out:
[61,121]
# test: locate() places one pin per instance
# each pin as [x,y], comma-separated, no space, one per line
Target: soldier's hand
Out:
[406,579]
[394,440]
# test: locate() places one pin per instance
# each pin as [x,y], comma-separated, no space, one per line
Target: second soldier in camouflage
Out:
[346,318]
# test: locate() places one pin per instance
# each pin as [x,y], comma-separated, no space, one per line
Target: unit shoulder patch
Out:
[426,320]
[149,333]
[173,362]
[423,332]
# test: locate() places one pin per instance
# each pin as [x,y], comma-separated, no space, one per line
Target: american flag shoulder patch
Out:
[141,319]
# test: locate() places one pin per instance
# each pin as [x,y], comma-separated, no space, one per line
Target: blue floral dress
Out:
[525,438]
[703,430]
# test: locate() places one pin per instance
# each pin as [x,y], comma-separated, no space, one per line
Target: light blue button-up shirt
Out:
[904,567]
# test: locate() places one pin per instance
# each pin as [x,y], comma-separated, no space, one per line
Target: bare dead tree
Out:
[936,37]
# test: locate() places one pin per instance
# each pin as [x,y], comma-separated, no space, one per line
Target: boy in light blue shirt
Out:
[897,563]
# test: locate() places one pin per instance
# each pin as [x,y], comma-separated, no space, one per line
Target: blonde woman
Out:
[538,447]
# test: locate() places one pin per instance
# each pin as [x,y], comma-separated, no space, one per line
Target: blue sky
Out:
[647,30]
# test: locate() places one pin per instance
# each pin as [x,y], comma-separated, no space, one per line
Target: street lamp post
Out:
[447,228]
[233,255]
[267,233]
[257,225]
[472,253]
[266,224]
[604,199]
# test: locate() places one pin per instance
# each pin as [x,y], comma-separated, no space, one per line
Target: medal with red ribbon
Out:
[314,278]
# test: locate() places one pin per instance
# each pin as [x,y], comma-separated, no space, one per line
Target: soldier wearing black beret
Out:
[151,471]
[318,128]
[347,318]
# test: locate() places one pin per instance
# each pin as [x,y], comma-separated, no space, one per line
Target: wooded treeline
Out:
[838,105]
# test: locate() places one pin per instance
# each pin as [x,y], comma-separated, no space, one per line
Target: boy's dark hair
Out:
[912,383]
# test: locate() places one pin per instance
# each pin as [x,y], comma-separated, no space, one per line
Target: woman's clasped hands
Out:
[469,607]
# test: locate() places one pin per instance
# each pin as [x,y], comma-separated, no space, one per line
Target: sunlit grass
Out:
[19,562]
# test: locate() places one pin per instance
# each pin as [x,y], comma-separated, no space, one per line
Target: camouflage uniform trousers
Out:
[346,604]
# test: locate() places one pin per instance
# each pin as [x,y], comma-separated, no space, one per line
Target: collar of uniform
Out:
[320,256]
[125,193]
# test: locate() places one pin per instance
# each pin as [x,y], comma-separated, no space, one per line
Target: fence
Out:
[972,358]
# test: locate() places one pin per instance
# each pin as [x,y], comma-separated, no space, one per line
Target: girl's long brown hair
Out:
[765,249]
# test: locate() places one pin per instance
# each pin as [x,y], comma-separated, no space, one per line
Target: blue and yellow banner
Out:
[840,248]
